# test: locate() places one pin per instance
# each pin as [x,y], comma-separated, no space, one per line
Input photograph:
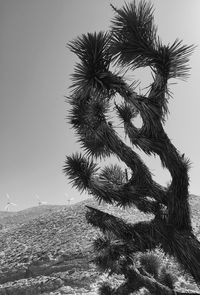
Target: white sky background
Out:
[35,68]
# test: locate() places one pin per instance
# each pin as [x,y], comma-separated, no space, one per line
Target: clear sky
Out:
[35,68]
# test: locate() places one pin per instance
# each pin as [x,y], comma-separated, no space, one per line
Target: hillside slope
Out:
[39,246]
[11,219]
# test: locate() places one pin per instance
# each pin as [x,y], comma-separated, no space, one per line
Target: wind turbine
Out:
[69,199]
[40,202]
[9,203]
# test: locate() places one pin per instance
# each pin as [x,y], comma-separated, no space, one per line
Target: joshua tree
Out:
[99,90]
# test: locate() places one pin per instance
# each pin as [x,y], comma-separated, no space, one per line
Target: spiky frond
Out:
[133,34]
[166,278]
[94,139]
[135,43]
[77,112]
[105,289]
[88,110]
[101,242]
[114,255]
[151,263]
[113,174]
[96,124]
[87,115]
[103,262]
[126,112]
[93,70]
[111,254]
[92,48]
[113,246]
[171,61]
[93,145]
[79,170]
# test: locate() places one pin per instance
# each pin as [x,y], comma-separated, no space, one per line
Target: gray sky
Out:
[35,68]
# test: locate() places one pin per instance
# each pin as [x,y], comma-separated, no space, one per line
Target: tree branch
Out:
[151,138]
[123,195]
[186,248]
[142,234]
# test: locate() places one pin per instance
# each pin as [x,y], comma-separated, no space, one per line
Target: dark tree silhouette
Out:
[99,85]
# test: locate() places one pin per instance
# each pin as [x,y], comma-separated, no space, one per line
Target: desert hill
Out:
[54,242]
[4,214]
[48,248]
[11,219]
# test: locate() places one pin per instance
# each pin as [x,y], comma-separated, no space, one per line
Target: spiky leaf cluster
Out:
[113,174]
[79,170]
[88,118]
[133,34]
[135,43]
[92,71]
